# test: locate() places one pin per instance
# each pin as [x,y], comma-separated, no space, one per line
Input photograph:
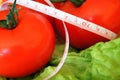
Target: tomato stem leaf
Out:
[57,0]
[77,2]
[3,23]
[11,18]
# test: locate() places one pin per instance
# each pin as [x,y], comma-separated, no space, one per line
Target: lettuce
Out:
[99,62]
[3,78]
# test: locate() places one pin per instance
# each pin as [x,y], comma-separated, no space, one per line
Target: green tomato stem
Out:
[11,18]
[57,0]
[77,2]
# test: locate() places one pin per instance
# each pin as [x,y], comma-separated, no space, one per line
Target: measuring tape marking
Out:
[69,18]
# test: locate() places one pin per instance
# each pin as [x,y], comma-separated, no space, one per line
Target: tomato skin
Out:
[27,48]
[58,4]
[101,12]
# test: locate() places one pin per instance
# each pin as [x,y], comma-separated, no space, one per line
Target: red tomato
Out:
[26,48]
[58,5]
[102,12]
[41,1]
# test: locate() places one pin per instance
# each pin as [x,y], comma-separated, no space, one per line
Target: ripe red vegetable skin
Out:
[102,12]
[27,48]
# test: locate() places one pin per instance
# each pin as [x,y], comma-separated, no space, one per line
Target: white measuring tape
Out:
[66,49]
[66,17]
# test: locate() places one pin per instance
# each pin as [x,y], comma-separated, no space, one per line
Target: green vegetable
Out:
[99,62]
[2,78]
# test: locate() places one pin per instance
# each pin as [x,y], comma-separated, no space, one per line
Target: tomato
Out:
[102,12]
[41,1]
[26,48]
[58,5]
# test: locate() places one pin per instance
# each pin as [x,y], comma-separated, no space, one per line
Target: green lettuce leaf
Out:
[99,62]
[3,78]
